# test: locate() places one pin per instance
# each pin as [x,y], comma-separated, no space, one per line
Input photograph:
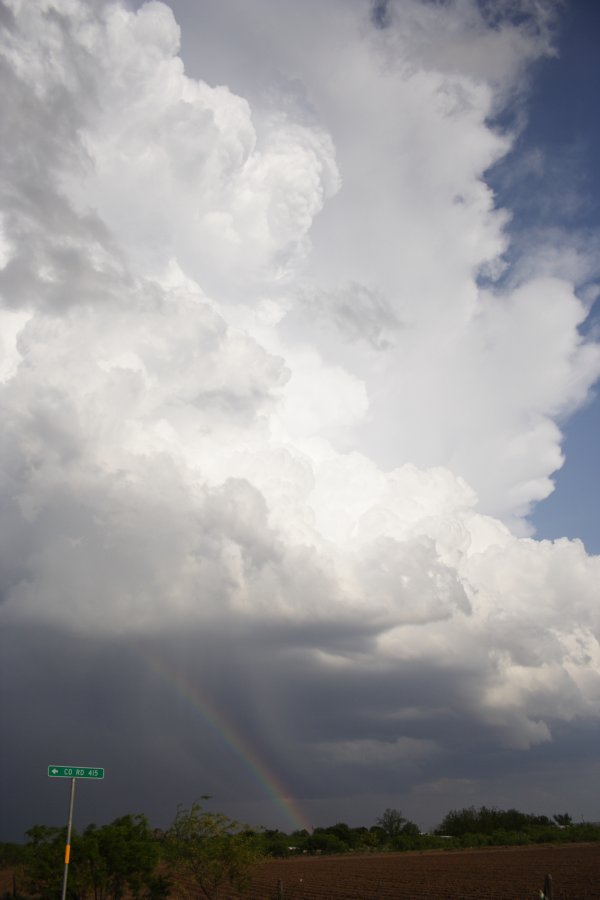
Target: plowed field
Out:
[515,873]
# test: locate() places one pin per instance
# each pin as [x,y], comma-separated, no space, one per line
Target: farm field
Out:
[513,873]
[502,873]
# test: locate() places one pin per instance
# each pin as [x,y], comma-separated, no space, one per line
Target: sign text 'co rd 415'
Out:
[75,772]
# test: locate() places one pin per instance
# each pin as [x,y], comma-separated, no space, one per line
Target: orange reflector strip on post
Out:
[67,854]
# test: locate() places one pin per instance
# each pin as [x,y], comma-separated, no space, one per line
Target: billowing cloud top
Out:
[265,363]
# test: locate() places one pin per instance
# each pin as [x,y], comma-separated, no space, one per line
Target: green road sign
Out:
[74,772]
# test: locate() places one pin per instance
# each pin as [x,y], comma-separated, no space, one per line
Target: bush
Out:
[107,861]
[212,849]
[11,855]
[120,857]
[322,842]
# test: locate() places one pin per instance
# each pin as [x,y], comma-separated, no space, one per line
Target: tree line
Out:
[207,852]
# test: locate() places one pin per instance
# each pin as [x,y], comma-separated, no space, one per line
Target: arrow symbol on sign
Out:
[54,771]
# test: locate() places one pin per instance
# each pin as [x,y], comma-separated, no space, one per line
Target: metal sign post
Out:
[68,845]
[72,772]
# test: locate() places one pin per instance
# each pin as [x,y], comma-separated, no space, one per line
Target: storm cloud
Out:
[277,401]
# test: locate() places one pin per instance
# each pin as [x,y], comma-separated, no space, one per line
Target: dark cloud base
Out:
[73,699]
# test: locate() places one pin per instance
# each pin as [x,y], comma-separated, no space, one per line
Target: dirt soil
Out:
[512,873]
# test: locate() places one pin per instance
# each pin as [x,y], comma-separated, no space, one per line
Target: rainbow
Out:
[236,741]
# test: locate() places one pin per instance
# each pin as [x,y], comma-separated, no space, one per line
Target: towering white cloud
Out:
[260,365]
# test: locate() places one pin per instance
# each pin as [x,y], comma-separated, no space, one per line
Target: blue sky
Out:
[296,320]
[563,121]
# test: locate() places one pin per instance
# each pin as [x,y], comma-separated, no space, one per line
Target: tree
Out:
[212,849]
[277,843]
[377,837]
[393,824]
[563,820]
[499,823]
[348,836]
[323,841]
[121,857]
[44,859]
[106,863]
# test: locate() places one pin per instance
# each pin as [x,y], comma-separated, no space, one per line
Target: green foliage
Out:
[377,836]
[493,827]
[119,857]
[215,852]
[391,822]
[351,838]
[563,820]
[406,842]
[106,863]
[11,854]
[487,821]
[44,860]
[322,842]
[211,849]
[277,843]
[585,831]
[394,830]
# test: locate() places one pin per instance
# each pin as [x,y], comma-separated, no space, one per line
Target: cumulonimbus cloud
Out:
[259,365]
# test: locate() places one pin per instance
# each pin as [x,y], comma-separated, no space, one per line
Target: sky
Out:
[300,350]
